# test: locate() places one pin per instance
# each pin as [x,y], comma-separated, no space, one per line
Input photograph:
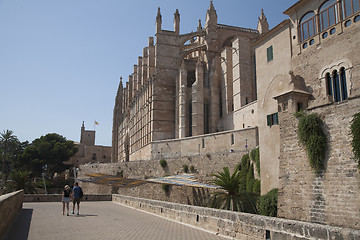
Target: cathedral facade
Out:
[187,85]
[226,88]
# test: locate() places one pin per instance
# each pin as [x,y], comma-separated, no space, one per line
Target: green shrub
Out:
[250,179]
[163,163]
[313,137]
[192,168]
[355,132]
[257,186]
[185,168]
[268,203]
[245,163]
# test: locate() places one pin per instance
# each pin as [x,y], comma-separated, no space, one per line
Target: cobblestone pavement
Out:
[98,220]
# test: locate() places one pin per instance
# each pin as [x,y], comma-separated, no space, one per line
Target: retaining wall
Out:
[10,205]
[57,197]
[238,225]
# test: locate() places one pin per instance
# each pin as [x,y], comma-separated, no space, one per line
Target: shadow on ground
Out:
[22,221]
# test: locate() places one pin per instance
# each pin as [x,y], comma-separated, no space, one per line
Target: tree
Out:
[231,198]
[20,179]
[8,143]
[51,150]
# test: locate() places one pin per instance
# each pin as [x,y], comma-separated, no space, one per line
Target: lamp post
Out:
[43,175]
[75,169]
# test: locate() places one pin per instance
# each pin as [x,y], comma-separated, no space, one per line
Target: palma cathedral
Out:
[223,89]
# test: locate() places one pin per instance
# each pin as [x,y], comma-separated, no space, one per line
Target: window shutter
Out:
[276,118]
[268,120]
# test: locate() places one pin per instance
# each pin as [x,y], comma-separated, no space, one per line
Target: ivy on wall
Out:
[313,137]
[255,157]
[355,132]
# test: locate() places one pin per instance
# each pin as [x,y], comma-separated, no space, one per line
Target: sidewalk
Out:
[98,220]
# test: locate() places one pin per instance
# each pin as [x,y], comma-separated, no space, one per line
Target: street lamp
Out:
[44,168]
[75,169]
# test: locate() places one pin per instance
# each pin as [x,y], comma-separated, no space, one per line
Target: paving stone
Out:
[98,220]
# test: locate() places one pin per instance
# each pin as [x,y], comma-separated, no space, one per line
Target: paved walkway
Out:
[98,220]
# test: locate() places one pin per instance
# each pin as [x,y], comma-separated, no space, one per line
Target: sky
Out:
[61,60]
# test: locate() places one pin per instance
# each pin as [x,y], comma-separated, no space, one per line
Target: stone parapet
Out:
[238,225]
[10,205]
[57,197]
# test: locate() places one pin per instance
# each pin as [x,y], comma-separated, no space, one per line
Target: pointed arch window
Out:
[307,26]
[328,14]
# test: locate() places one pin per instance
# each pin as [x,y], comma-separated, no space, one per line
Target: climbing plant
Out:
[255,157]
[313,137]
[355,132]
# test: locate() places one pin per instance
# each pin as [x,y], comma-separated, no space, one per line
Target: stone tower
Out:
[87,136]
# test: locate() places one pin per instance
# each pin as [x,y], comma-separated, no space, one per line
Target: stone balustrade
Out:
[238,225]
[10,205]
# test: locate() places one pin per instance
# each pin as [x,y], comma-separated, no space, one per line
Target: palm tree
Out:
[230,197]
[20,179]
[6,140]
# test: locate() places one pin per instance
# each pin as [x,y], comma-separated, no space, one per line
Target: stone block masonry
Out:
[331,197]
[238,225]
[204,166]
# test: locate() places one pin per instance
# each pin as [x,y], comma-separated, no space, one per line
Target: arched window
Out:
[350,7]
[336,85]
[328,84]
[307,26]
[328,14]
[344,94]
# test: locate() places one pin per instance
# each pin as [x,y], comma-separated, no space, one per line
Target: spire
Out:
[199,28]
[263,26]
[211,16]
[119,94]
[177,22]
[158,21]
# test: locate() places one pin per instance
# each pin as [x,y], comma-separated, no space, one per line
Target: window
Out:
[269,53]
[206,118]
[350,6]
[307,26]
[336,85]
[191,78]
[272,119]
[328,14]
[232,139]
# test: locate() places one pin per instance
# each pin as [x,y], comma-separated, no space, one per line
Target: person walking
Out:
[77,195]
[66,198]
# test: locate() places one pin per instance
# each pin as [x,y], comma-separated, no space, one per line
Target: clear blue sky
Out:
[61,60]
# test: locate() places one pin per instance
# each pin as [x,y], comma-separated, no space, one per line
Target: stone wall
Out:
[331,197]
[204,167]
[238,225]
[10,205]
[213,143]
[57,197]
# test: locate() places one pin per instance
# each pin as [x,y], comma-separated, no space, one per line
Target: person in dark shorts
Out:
[77,195]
